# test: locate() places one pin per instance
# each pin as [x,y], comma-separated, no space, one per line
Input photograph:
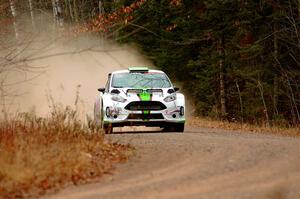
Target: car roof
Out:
[127,71]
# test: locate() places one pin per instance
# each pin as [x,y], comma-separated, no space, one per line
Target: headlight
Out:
[118,98]
[181,111]
[170,98]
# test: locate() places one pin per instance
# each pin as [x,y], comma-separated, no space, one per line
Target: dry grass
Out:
[210,123]
[39,154]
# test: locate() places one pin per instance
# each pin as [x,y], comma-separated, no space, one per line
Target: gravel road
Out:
[200,163]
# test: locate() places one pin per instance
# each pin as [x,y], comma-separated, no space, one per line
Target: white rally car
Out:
[139,97]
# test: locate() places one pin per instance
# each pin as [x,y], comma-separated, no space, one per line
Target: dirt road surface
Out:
[200,163]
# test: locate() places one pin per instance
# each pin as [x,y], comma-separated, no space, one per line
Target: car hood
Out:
[144,93]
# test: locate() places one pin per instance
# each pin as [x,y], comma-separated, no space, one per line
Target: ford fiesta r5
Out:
[139,97]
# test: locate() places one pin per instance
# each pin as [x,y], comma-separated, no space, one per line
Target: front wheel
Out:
[97,117]
[108,129]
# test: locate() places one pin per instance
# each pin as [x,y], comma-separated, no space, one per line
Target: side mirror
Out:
[170,91]
[101,90]
[176,89]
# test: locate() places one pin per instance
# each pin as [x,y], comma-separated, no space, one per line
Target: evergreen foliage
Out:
[258,41]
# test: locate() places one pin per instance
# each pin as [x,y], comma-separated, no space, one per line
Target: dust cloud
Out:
[65,67]
[62,70]
[81,72]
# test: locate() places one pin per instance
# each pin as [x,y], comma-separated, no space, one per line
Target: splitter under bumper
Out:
[118,117]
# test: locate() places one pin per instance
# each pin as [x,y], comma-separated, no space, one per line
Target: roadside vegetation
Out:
[205,122]
[45,154]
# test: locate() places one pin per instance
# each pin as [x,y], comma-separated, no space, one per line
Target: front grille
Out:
[145,116]
[145,105]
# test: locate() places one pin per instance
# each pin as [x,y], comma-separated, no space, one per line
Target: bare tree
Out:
[31,13]
[57,13]
[221,76]
[14,14]
[241,100]
[261,90]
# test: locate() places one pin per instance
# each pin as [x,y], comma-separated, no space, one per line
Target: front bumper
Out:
[117,115]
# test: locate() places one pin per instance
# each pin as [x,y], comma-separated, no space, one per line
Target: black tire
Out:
[101,116]
[174,127]
[97,120]
[98,116]
[108,129]
[179,127]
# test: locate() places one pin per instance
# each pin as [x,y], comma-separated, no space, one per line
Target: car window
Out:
[140,80]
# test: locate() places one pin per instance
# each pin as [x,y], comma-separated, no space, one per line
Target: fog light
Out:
[107,112]
[181,111]
[115,116]
[174,115]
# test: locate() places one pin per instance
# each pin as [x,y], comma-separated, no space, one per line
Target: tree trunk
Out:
[241,101]
[75,11]
[31,13]
[261,90]
[222,84]
[14,14]
[298,8]
[101,11]
[275,94]
[294,101]
[275,66]
[294,117]
[54,10]
[60,16]
[68,2]
[57,13]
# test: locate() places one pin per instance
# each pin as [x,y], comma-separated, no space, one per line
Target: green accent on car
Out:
[180,121]
[106,122]
[145,96]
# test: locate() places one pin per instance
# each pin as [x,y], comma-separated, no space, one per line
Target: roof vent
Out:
[138,69]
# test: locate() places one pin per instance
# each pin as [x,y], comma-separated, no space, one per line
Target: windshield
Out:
[140,80]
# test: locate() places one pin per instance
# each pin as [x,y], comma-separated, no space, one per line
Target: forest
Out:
[237,59]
